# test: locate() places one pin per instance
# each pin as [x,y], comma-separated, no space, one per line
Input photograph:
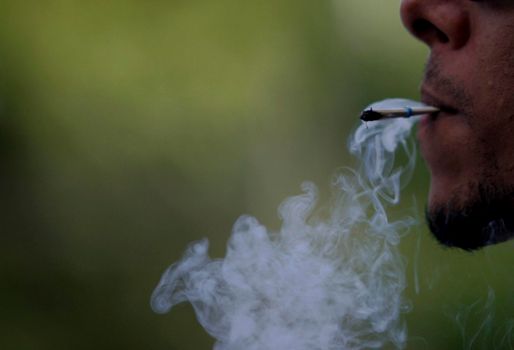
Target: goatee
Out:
[486,220]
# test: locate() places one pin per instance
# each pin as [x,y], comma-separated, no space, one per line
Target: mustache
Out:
[446,86]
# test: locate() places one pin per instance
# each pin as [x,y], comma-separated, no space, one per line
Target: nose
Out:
[438,23]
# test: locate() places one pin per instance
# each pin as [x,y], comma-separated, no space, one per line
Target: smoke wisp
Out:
[321,282]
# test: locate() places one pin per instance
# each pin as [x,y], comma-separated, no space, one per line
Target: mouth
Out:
[445,107]
[433,126]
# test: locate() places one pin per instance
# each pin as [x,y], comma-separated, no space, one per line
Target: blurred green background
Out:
[130,128]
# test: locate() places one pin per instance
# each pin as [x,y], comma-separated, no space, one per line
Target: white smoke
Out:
[318,283]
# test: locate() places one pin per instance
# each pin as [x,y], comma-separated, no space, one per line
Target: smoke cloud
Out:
[332,281]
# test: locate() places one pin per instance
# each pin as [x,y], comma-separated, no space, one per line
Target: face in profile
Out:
[469,145]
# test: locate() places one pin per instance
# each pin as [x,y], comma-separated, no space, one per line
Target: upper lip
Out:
[431,99]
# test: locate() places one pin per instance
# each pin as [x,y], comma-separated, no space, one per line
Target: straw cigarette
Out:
[371,114]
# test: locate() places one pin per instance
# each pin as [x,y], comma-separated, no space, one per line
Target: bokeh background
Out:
[130,128]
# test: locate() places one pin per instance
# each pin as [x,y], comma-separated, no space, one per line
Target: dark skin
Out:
[469,145]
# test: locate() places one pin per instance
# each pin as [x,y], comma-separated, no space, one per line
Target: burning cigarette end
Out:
[395,108]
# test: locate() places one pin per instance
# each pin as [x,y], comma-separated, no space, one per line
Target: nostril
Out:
[428,32]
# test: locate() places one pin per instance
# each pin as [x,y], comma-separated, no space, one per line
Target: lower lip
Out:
[427,119]
[426,123]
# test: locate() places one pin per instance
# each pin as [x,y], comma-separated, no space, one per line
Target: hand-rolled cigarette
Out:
[371,114]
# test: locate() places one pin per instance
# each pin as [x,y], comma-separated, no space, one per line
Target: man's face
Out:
[469,145]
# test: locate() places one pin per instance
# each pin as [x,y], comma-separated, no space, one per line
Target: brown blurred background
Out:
[130,128]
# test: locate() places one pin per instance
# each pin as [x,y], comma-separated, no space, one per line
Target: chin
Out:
[484,217]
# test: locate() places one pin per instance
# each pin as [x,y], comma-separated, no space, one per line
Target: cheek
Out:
[480,146]
[492,81]
[492,91]
[492,124]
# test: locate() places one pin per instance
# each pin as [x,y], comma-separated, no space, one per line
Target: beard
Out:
[488,218]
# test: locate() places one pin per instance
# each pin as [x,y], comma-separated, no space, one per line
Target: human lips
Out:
[435,130]
[446,108]
[431,99]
